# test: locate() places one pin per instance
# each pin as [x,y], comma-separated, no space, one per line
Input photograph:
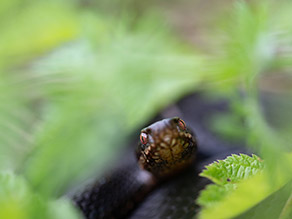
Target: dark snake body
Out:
[128,186]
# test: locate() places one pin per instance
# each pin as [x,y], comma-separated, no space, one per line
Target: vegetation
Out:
[78,77]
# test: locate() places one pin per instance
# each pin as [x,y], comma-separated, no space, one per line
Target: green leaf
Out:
[229,126]
[233,169]
[248,190]
[31,30]
[63,208]
[275,205]
[248,193]
[18,201]
[214,193]
[226,174]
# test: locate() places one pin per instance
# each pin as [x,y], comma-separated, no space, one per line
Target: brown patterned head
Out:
[166,147]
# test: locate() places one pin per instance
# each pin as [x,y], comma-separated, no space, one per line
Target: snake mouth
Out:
[169,147]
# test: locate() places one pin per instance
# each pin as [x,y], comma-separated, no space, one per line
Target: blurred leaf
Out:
[33,30]
[248,46]
[63,208]
[213,194]
[229,127]
[18,201]
[271,207]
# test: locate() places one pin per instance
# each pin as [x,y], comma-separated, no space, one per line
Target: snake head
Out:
[166,147]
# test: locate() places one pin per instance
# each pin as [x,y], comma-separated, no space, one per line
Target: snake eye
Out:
[143,138]
[181,124]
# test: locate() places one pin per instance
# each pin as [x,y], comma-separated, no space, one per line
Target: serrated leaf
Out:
[226,174]
[249,192]
[233,169]
[228,202]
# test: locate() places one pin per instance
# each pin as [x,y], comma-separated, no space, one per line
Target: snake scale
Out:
[160,180]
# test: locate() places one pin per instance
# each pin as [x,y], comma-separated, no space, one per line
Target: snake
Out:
[165,148]
[160,179]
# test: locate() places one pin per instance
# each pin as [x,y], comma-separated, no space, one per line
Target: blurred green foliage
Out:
[77,77]
[18,200]
[256,42]
[74,83]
